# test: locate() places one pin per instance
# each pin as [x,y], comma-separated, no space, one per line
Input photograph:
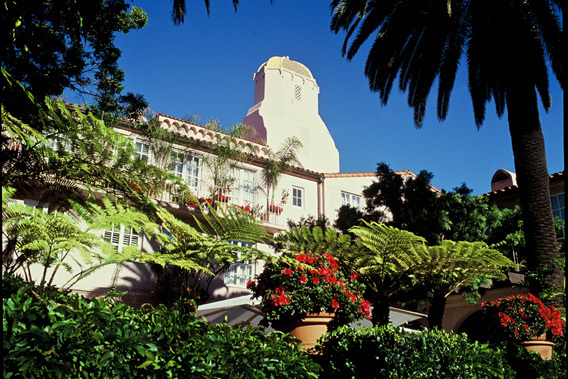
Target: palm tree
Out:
[278,162]
[506,45]
[179,10]
[226,152]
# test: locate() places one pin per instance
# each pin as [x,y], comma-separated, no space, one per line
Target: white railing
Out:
[223,198]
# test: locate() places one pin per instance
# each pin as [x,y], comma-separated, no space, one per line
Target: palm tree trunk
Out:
[533,181]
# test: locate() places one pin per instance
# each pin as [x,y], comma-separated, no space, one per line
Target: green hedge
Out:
[61,335]
[389,352]
[50,333]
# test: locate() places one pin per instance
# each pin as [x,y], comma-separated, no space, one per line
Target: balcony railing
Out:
[222,198]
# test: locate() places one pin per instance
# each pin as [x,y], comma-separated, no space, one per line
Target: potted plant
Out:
[524,318]
[309,290]
[285,194]
[230,183]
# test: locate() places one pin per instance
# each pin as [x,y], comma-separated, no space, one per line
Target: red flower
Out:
[527,311]
[250,284]
[324,271]
[309,289]
[353,276]
[351,296]
[136,187]
[302,258]
[366,305]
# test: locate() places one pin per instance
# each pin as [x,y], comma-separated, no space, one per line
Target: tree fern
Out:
[384,261]
[204,251]
[52,239]
[458,264]
[315,240]
[388,252]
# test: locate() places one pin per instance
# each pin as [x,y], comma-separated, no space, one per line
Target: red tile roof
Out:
[553,178]
[361,174]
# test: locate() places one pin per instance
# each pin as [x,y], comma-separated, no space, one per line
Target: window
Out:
[239,273]
[188,167]
[244,188]
[60,145]
[142,151]
[121,236]
[298,197]
[352,200]
[558,211]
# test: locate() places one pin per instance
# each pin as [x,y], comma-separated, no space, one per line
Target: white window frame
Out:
[188,166]
[139,152]
[245,187]
[120,237]
[240,272]
[298,197]
[351,199]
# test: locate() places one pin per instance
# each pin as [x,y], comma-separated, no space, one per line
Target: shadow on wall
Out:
[136,279]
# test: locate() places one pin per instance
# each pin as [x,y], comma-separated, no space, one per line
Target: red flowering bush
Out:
[524,317]
[313,284]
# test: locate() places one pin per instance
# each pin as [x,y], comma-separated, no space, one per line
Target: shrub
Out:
[316,284]
[530,365]
[524,317]
[389,352]
[47,332]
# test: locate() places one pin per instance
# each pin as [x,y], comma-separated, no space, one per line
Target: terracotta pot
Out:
[541,346]
[284,200]
[230,188]
[309,329]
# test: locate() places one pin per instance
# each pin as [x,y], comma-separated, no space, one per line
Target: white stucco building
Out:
[285,104]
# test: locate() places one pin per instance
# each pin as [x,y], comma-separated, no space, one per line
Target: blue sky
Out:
[205,67]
